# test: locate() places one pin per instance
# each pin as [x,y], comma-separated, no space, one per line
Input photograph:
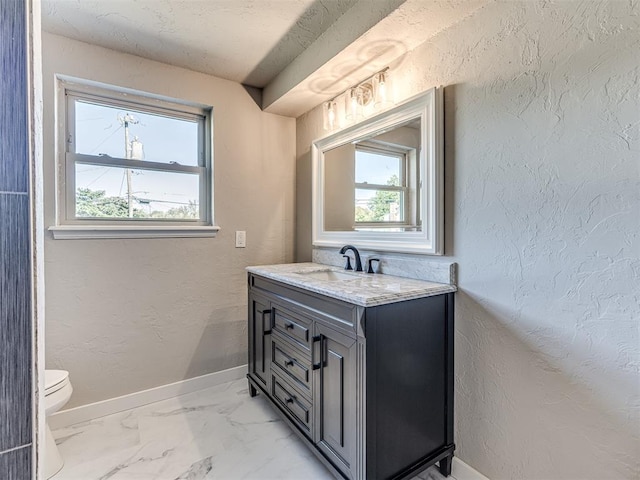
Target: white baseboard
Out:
[64,418]
[462,471]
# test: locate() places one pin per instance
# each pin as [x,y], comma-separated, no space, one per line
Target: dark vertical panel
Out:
[15,322]
[260,342]
[335,398]
[333,425]
[406,395]
[15,251]
[16,464]
[450,333]
[14,171]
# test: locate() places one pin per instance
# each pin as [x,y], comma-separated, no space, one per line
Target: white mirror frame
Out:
[430,240]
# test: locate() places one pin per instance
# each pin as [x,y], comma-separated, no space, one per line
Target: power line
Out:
[107,138]
[124,175]
[98,177]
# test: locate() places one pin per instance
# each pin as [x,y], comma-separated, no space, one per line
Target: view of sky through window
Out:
[377,168]
[100,130]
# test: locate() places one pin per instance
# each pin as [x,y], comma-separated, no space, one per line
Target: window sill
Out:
[77,232]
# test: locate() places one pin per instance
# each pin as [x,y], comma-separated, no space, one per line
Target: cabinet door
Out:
[335,397]
[259,339]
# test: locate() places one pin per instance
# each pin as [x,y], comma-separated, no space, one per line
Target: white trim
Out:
[117,162]
[108,91]
[462,471]
[77,232]
[36,195]
[427,106]
[91,411]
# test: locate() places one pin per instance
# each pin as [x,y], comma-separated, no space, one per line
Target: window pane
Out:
[100,129]
[378,168]
[378,206]
[103,192]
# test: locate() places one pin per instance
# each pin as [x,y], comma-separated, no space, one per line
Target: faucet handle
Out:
[348,265]
[370,266]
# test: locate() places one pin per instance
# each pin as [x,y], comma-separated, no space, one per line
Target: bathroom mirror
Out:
[379,184]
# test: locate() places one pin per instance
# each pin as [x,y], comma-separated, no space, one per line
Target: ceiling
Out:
[299,52]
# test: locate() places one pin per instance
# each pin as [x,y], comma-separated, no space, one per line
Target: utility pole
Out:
[125,121]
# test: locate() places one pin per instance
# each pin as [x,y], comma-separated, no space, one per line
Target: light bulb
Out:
[353,105]
[382,90]
[329,115]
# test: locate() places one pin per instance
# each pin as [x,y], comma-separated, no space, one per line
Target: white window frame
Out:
[68,226]
[403,188]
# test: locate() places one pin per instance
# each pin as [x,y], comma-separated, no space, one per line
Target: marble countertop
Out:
[364,289]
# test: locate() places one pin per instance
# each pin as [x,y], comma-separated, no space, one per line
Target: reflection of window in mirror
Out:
[387,181]
[374,184]
[381,187]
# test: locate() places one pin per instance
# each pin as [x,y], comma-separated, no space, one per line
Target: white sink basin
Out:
[328,275]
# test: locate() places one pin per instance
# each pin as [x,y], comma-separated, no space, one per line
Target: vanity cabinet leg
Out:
[252,390]
[445,465]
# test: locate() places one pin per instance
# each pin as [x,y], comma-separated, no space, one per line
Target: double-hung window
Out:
[381,187]
[132,165]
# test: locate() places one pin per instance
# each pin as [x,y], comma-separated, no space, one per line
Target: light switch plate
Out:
[241,239]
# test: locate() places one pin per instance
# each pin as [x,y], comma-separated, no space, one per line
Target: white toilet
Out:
[57,391]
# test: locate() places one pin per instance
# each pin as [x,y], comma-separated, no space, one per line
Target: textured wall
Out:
[542,215]
[126,315]
[16,391]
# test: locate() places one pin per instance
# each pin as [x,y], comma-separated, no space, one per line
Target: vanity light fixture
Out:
[358,102]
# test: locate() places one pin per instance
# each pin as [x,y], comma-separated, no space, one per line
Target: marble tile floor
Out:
[218,433]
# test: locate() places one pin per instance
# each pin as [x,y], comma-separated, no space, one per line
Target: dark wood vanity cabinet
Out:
[259,339]
[335,402]
[369,389]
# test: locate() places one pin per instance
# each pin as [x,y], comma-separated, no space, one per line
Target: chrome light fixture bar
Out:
[360,101]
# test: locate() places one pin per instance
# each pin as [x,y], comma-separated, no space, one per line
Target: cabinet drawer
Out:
[297,406]
[313,305]
[292,364]
[294,327]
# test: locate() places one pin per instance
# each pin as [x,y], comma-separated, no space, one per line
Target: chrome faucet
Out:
[344,249]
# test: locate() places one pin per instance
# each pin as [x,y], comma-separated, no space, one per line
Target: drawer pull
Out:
[289,326]
[290,399]
[288,363]
[316,366]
